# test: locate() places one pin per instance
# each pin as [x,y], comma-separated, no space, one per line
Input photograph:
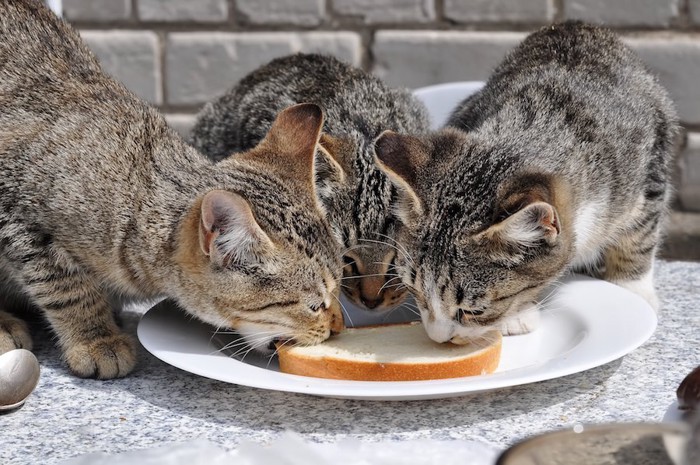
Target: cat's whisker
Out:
[236,345]
[414,310]
[407,257]
[412,289]
[387,264]
[398,244]
[231,345]
[345,311]
[369,275]
[354,247]
[276,351]
[555,286]
[253,344]
[254,341]
[246,348]
[246,354]
[386,284]
[214,333]
[389,313]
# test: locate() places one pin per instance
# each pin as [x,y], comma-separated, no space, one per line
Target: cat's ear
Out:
[527,230]
[228,231]
[289,149]
[402,158]
[329,174]
[290,144]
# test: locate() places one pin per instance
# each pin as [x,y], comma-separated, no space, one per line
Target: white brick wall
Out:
[676,60]
[96,10]
[206,11]
[419,58]
[181,122]
[694,10]
[658,13]
[293,12]
[386,11]
[131,57]
[689,171]
[202,65]
[177,54]
[498,11]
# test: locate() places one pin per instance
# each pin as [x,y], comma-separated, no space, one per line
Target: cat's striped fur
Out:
[356,195]
[99,195]
[561,162]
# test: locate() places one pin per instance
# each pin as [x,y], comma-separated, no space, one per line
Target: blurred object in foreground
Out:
[613,444]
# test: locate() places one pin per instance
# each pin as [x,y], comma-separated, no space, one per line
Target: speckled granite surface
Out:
[159,404]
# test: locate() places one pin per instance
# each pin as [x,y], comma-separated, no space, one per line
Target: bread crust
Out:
[480,362]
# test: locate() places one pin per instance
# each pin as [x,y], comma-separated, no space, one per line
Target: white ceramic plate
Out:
[588,323]
[441,99]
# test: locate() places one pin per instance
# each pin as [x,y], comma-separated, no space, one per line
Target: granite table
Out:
[159,404]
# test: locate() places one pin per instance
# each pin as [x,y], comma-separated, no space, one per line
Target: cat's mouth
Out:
[279,342]
[272,345]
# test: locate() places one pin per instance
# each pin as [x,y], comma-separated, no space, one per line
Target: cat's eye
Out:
[392,262]
[352,263]
[318,308]
[463,312]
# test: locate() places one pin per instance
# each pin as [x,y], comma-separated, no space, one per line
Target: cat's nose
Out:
[371,291]
[370,303]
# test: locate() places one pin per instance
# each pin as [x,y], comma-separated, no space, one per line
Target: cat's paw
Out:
[14,334]
[105,358]
[525,321]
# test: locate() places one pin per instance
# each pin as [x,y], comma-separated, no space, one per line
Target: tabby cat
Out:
[97,194]
[560,162]
[356,195]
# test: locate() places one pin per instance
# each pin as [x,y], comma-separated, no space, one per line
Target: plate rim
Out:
[414,390]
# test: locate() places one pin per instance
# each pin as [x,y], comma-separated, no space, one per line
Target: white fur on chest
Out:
[588,236]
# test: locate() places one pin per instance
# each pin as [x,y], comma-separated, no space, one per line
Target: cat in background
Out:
[561,162]
[99,195]
[356,195]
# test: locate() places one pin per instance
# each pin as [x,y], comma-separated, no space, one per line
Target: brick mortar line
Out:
[134,16]
[163,73]
[366,45]
[440,11]
[684,20]
[330,25]
[558,6]
[233,16]
[354,27]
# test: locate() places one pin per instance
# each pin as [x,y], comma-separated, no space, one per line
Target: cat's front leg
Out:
[643,287]
[79,313]
[630,264]
[524,321]
[14,333]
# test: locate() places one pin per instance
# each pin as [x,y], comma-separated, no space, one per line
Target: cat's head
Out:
[483,239]
[257,254]
[357,198]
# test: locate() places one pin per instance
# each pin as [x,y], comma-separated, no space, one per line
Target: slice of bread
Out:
[398,352]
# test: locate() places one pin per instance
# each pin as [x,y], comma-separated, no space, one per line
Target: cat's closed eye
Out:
[464,314]
[317,308]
